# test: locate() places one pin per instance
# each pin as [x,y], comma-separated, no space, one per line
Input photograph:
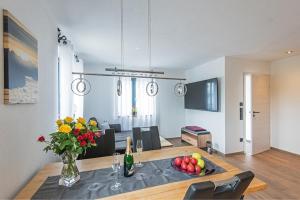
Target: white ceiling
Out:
[185,33]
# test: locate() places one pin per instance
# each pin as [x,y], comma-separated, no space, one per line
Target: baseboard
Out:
[284,151]
[236,153]
[228,154]
[218,153]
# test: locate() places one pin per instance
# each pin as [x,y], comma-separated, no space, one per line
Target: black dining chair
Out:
[203,190]
[136,135]
[149,136]
[95,119]
[117,127]
[105,146]
[155,137]
[233,188]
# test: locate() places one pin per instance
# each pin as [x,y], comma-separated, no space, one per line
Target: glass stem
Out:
[117,177]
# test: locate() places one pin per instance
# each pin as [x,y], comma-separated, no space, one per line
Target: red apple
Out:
[184,166]
[178,162]
[191,168]
[186,159]
[197,169]
[194,161]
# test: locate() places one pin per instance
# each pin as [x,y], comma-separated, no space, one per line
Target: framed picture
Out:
[20,62]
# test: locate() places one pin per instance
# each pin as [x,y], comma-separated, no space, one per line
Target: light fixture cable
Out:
[149,34]
[119,82]
[122,35]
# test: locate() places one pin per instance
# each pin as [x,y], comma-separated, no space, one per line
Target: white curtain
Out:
[145,105]
[69,103]
[78,101]
[123,104]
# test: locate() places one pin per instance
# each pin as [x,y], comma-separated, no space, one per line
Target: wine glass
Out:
[116,169]
[139,149]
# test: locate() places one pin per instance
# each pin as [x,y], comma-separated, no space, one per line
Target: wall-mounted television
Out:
[202,95]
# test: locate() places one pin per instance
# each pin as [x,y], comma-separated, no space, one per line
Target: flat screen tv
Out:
[202,95]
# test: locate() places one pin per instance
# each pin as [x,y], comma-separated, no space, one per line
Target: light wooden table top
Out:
[172,191]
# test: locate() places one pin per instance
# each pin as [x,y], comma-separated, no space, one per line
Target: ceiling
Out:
[185,33]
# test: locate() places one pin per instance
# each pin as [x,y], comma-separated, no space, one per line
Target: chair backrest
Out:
[136,135]
[117,127]
[105,146]
[150,138]
[235,188]
[229,189]
[203,190]
[147,140]
[155,137]
[95,119]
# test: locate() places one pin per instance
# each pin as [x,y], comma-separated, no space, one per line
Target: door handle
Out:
[254,113]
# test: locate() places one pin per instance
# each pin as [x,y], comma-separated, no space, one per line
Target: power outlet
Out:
[241,139]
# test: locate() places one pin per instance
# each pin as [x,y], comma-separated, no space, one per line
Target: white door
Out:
[257,113]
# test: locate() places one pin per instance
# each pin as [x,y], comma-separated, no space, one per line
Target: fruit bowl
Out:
[205,171]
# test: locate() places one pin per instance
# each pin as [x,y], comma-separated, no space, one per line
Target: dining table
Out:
[173,190]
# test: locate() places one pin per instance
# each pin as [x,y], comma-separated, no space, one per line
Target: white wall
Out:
[99,102]
[20,155]
[170,110]
[212,121]
[285,104]
[234,71]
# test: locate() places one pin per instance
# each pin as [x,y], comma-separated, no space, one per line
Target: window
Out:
[134,107]
[69,104]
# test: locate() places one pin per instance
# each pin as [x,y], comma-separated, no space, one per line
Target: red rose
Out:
[93,142]
[41,139]
[89,134]
[98,134]
[90,137]
[85,136]
[79,138]
[76,132]
[82,143]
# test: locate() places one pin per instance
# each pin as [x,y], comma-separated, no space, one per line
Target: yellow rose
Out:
[93,123]
[81,120]
[65,128]
[68,120]
[79,126]
[59,122]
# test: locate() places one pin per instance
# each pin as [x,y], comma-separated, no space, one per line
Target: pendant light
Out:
[119,82]
[180,89]
[80,86]
[119,87]
[152,86]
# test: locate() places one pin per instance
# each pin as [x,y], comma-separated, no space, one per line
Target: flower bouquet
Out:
[71,139]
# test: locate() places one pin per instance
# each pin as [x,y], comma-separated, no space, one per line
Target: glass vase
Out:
[69,174]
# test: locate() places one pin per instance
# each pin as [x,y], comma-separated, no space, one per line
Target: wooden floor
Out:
[280,170]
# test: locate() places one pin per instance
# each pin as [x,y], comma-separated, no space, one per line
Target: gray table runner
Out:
[96,184]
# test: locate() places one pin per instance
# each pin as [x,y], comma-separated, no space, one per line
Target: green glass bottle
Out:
[128,160]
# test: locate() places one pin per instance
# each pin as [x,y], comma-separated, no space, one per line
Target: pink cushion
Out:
[195,128]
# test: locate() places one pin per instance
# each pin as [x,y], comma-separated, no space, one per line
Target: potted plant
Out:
[71,139]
